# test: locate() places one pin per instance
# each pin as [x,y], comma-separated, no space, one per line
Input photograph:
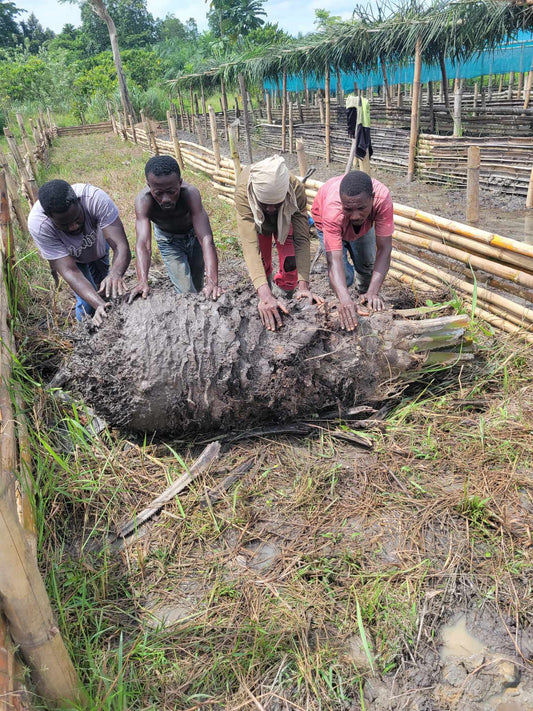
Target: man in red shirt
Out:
[355,212]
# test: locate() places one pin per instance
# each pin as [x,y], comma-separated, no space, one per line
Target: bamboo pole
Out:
[529,198]
[457,105]
[340,92]
[327,124]
[28,182]
[26,144]
[204,109]
[284,114]
[511,86]
[465,243]
[24,599]
[500,270]
[13,193]
[414,112]
[234,148]
[300,152]
[431,108]
[520,86]
[214,136]
[132,127]
[388,97]
[483,294]
[465,230]
[246,118]
[472,184]
[268,107]
[529,84]
[224,102]
[6,233]
[175,140]
[291,128]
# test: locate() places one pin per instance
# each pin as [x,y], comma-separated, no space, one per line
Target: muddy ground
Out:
[499,213]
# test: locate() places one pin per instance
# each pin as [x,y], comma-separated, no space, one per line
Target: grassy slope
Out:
[388,543]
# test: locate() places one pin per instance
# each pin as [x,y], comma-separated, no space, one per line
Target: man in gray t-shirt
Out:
[74,226]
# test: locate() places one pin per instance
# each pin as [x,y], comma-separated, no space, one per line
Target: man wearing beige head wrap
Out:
[271,205]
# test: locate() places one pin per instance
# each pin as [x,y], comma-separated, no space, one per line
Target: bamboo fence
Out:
[26,619]
[430,251]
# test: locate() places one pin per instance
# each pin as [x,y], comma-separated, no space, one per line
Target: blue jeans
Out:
[183,258]
[363,254]
[95,272]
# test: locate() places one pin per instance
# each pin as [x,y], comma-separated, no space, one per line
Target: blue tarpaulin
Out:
[516,56]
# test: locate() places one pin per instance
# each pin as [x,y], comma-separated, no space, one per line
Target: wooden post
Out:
[268,107]
[500,84]
[388,98]
[246,118]
[321,109]
[431,108]
[284,114]
[175,140]
[32,168]
[457,105]
[191,99]
[146,130]
[511,86]
[413,138]
[340,93]
[214,136]
[234,148]
[204,109]
[13,193]
[529,198]
[27,181]
[489,87]
[291,128]
[224,101]
[472,184]
[182,111]
[529,84]
[132,127]
[327,94]
[520,86]
[299,106]
[199,132]
[6,233]
[476,96]
[300,152]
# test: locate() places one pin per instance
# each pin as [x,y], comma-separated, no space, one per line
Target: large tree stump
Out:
[183,364]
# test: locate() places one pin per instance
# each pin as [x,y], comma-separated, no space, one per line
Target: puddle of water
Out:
[458,642]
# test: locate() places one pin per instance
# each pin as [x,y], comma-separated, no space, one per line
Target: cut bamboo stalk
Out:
[291,128]
[302,160]
[27,182]
[327,124]
[234,149]
[16,204]
[482,294]
[268,107]
[472,184]
[457,107]
[529,85]
[175,140]
[224,102]
[414,112]
[214,136]
[199,132]
[529,198]
[246,118]
[499,270]
[132,128]
[465,230]
[284,114]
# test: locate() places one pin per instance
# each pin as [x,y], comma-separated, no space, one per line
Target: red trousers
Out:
[287,276]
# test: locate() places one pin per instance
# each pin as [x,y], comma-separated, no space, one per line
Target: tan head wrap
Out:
[269,183]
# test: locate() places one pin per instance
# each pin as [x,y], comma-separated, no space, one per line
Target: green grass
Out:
[363,541]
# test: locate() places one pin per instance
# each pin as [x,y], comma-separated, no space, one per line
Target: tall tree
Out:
[35,34]
[235,18]
[9,30]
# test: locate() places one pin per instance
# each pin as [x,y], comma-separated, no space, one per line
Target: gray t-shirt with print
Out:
[90,245]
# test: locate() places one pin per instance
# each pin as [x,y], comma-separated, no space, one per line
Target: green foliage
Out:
[135,26]
[9,30]
[235,18]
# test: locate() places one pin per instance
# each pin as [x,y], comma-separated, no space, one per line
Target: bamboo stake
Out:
[457,104]
[26,144]
[224,102]
[175,140]
[327,125]
[268,107]
[214,136]
[132,127]
[246,118]
[472,184]
[234,148]
[529,198]
[529,84]
[284,114]
[28,183]
[300,152]
[431,108]
[520,86]
[511,86]
[6,233]
[340,93]
[13,193]
[291,128]
[414,112]
[388,97]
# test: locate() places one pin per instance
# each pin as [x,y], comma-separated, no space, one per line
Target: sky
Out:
[292,15]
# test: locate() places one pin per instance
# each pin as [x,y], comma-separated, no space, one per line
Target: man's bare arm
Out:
[337,278]
[204,234]
[381,267]
[113,284]
[143,245]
